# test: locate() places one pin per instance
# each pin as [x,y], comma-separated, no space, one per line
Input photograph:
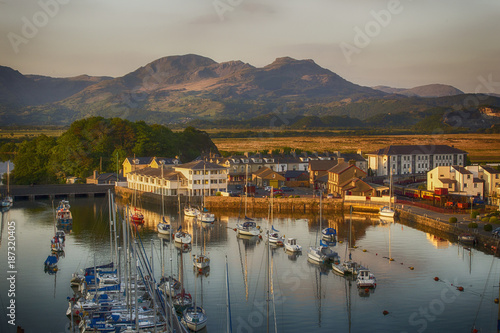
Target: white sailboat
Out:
[163,226]
[7,201]
[387,211]
[201,261]
[321,253]
[204,215]
[347,266]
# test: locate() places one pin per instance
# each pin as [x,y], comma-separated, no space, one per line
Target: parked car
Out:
[286,189]
[496,232]
[330,196]
[276,191]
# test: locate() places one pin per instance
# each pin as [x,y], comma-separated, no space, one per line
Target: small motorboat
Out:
[201,261]
[366,279]
[205,217]
[292,246]
[467,238]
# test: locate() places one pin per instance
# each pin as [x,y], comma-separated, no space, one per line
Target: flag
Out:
[272,227]
[180,227]
[248,219]
[164,220]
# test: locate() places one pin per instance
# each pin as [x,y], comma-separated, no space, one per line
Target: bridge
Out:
[37,192]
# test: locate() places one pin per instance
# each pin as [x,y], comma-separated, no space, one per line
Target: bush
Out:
[488,227]
[472,225]
[453,219]
[297,196]
[474,214]
[278,196]
[494,219]
[485,219]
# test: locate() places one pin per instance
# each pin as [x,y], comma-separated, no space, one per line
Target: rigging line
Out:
[484,290]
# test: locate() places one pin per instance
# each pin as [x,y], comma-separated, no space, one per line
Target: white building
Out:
[187,179]
[203,177]
[457,179]
[414,159]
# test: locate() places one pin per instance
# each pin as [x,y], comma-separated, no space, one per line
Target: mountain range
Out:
[179,89]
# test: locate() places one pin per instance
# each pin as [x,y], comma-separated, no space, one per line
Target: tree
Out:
[33,160]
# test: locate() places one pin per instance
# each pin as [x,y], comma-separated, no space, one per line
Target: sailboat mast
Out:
[246,189]
[228,306]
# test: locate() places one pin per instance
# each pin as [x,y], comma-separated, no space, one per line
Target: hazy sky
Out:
[369,42]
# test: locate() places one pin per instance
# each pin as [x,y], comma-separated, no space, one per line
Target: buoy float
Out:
[364,250]
[496,300]
[460,288]
[436,279]
[376,254]
[385,312]
[475,330]
[234,229]
[411,268]
[391,259]
[260,236]
[341,242]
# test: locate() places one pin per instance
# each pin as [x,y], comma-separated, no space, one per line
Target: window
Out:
[468,176]
[475,185]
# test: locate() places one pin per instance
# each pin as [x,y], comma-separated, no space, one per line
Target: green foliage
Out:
[472,225]
[485,219]
[474,214]
[453,219]
[494,220]
[97,143]
[421,187]
[33,162]
[488,227]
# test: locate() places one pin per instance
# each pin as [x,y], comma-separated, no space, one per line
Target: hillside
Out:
[181,89]
[429,90]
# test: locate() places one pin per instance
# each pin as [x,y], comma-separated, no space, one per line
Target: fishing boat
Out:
[63,214]
[195,318]
[366,279]
[163,227]
[292,246]
[56,244]
[248,227]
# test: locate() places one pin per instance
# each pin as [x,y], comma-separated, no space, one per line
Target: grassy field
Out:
[6,133]
[481,147]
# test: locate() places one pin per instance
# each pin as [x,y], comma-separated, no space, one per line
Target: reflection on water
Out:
[308,297]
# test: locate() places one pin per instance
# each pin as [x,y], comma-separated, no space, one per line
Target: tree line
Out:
[98,143]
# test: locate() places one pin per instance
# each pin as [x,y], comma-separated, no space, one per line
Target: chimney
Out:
[95,174]
[352,162]
[246,154]
[336,153]
[340,160]
[359,152]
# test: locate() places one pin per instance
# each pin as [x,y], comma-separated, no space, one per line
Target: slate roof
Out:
[200,165]
[321,165]
[417,150]
[155,172]
[490,169]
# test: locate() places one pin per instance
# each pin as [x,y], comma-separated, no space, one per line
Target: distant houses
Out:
[345,178]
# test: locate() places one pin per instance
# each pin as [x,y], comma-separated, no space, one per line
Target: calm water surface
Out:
[307,297]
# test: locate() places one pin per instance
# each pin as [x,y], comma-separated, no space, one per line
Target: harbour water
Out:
[307,297]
